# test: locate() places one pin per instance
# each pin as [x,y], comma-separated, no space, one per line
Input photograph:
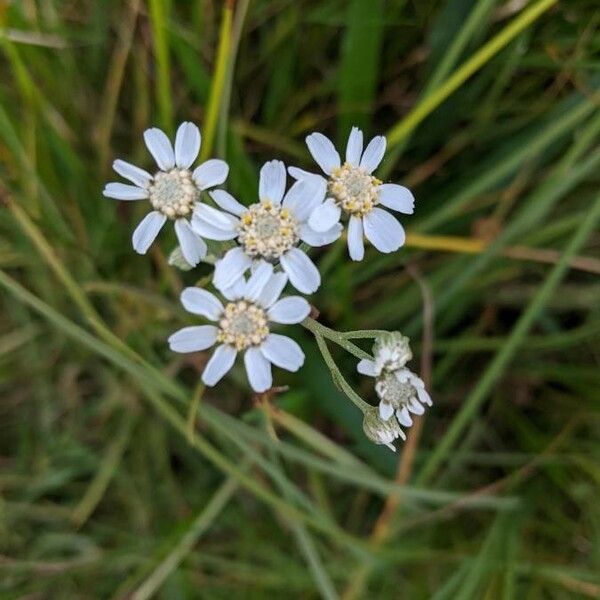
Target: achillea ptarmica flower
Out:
[173,191]
[353,191]
[243,325]
[268,230]
[380,431]
[400,391]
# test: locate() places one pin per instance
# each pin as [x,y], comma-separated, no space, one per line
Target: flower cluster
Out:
[401,393]
[265,245]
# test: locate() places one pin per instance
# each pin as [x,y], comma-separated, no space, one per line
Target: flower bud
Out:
[176,259]
[391,351]
[380,431]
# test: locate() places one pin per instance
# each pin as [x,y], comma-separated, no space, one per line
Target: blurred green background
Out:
[118,480]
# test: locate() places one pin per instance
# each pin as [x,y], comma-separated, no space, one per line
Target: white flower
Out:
[351,189]
[173,190]
[243,325]
[268,230]
[380,431]
[400,391]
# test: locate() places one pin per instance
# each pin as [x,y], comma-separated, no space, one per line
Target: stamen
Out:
[267,230]
[243,324]
[354,189]
[174,193]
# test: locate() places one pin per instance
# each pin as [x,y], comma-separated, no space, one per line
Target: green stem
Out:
[337,376]
[362,334]
[317,328]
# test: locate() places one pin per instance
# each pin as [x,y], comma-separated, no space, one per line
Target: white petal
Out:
[138,176]
[403,375]
[257,281]
[325,216]
[415,380]
[187,145]
[258,369]
[301,174]
[391,447]
[416,407]
[210,232]
[385,410]
[356,246]
[201,302]
[231,268]
[220,362]
[355,147]
[193,339]
[373,154]
[272,290]
[193,247]
[145,233]
[312,238]
[215,218]
[304,196]
[123,191]
[227,202]
[323,151]
[210,173]
[235,291]
[397,197]
[272,181]
[383,230]
[366,367]
[160,147]
[403,417]
[424,396]
[303,274]
[283,352]
[289,310]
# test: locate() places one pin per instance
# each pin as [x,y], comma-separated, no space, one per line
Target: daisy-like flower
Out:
[353,191]
[243,325]
[269,230]
[173,191]
[400,391]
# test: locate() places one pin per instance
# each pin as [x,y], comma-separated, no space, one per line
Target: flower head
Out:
[380,431]
[351,190]
[400,391]
[173,191]
[243,324]
[268,230]
[391,351]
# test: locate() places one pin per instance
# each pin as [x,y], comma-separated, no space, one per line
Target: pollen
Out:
[174,193]
[267,231]
[354,189]
[242,325]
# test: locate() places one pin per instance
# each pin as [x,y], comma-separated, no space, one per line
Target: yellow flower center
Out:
[354,189]
[243,324]
[174,193]
[267,230]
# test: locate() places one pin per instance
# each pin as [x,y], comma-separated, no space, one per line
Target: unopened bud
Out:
[176,259]
[380,431]
[391,351]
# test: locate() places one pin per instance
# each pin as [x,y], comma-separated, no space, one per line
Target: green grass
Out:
[120,477]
